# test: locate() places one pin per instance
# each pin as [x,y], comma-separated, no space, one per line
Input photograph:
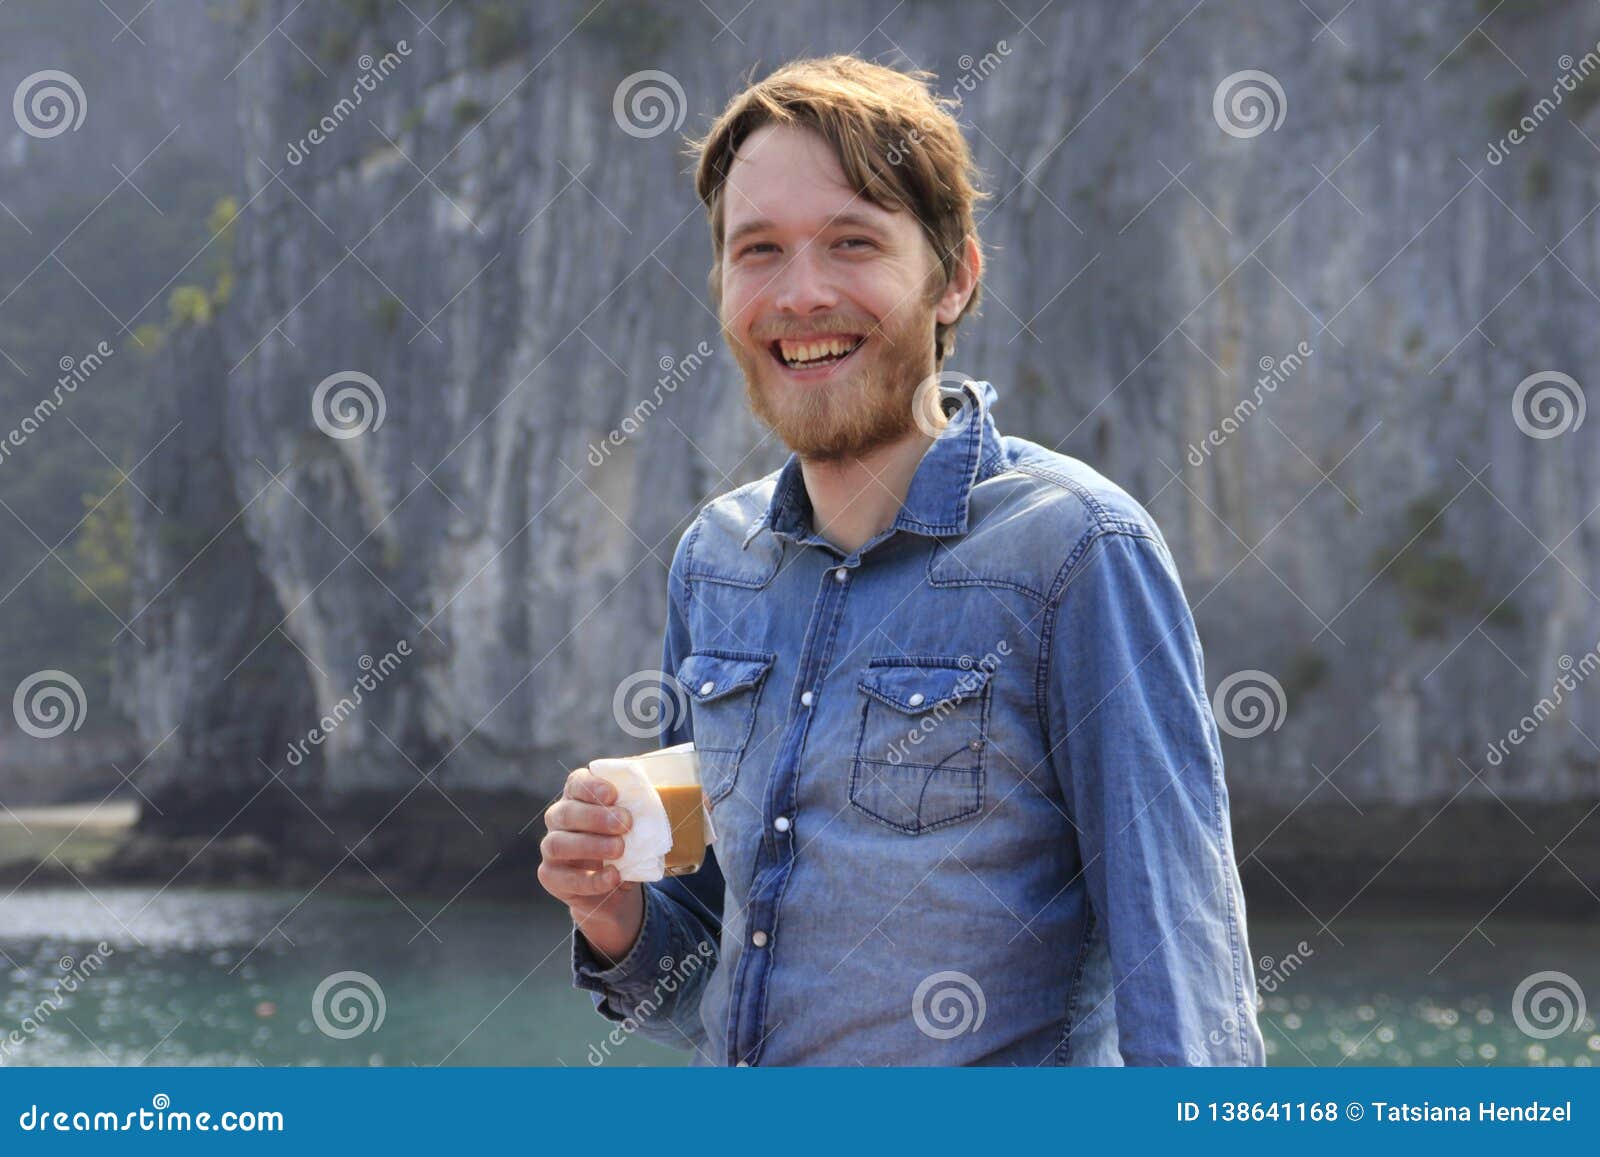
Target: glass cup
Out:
[674,772]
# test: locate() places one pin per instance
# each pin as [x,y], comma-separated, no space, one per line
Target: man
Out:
[944,685]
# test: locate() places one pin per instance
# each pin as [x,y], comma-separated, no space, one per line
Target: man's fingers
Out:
[564,881]
[566,846]
[585,785]
[572,815]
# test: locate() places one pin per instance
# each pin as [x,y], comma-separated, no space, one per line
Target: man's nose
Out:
[802,285]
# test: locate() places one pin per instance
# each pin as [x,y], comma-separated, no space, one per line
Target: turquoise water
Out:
[228,978]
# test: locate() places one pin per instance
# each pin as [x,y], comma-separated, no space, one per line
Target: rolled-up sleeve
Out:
[656,987]
[1139,762]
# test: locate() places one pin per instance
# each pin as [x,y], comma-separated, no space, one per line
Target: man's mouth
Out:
[817,353]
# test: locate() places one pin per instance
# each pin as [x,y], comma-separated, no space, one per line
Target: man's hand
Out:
[584,829]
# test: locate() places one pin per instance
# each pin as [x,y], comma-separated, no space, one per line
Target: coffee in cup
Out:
[674,836]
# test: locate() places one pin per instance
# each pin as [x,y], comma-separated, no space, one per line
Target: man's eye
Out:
[856,241]
[758,245]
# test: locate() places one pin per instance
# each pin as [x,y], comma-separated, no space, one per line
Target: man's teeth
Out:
[800,352]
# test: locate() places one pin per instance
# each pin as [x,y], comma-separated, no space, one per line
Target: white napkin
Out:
[645,845]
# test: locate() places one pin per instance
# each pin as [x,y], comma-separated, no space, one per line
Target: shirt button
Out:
[975,744]
[758,938]
[916,699]
[781,823]
[841,575]
[742,1065]
[807,699]
[707,687]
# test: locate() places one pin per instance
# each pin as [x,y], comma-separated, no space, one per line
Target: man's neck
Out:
[855,498]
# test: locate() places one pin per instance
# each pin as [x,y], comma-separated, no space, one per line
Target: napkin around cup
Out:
[644,845]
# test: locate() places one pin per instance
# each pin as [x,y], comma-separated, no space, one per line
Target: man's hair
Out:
[899,145]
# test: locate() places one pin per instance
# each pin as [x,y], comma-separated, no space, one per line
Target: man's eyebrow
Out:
[848,219]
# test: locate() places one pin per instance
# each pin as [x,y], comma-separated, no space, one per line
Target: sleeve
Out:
[657,986]
[1136,752]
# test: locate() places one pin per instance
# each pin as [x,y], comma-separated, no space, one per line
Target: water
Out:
[227,978]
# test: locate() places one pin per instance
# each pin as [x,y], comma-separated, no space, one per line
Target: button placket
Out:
[745,1029]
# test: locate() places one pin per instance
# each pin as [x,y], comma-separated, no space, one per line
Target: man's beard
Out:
[867,406]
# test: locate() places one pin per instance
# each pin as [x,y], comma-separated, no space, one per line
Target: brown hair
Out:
[899,145]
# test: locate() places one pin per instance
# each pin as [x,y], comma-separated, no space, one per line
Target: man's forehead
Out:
[783,176]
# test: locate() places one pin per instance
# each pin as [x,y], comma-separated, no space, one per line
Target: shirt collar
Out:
[936,503]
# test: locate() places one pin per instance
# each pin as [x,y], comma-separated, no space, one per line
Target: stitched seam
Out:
[985,701]
[1074,986]
[1104,519]
[787,871]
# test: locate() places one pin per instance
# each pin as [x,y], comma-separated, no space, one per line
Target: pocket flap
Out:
[709,675]
[914,689]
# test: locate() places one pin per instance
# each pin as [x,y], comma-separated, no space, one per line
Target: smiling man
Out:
[945,687]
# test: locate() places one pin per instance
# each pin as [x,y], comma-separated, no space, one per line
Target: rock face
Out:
[1367,521]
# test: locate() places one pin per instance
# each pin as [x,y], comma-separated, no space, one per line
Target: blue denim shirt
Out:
[966,784]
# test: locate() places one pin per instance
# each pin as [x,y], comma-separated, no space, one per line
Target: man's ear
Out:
[964,279]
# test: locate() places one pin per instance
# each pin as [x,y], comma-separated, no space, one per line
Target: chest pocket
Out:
[919,759]
[724,688]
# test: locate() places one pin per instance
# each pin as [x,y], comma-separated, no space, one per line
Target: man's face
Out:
[808,262]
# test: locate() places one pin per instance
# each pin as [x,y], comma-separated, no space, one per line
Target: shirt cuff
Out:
[636,973]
